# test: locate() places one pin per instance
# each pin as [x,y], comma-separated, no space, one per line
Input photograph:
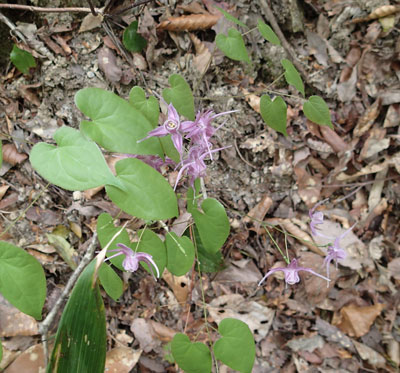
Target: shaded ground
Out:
[351,326]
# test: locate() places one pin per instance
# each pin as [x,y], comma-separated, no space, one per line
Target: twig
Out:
[92,8]
[45,324]
[47,10]
[288,48]
[137,3]
[12,27]
[21,215]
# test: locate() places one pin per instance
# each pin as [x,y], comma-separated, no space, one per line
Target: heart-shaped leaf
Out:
[292,76]
[81,340]
[180,95]
[274,113]
[76,164]
[22,60]
[231,18]
[151,244]
[236,347]
[208,261]
[110,281]
[148,107]
[316,110]
[22,280]
[116,125]
[133,41]
[180,254]
[233,45]
[146,194]
[267,32]
[105,231]
[191,357]
[212,224]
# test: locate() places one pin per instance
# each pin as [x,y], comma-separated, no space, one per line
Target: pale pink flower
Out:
[291,273]
[132,259]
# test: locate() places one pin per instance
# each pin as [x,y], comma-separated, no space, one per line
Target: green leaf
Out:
[316,110]
[148,107]
[274,113]
[106,231]
[292,76]
[213,224]
[76,164]
[81,340]
[146,195]
[231,18]
[116,125]
[133,41]
[267,32]
[22,60]
[110,281]
[209,262]
[151,244]
[233,45]
[191,357]
[22,280]
[236,347]
[178,262]
[180,95]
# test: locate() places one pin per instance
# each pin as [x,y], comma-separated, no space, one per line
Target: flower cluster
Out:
[335,252]
[198,132]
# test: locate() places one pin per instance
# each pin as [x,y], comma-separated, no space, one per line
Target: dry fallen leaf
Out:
[370,355]
[108,64]
[356,321]
[145,335]
[11,155]
[258,317]
[178,284]
[257,213]
[203,56]
[31,360]
[121,359]
[3,190]
[90,22]
[13,322]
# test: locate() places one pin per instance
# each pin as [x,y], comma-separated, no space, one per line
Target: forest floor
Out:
[351,326]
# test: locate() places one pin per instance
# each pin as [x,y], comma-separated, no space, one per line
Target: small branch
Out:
[288,48]
[45,324]
[137,3]
[47,10]
[12,27]
[92,8]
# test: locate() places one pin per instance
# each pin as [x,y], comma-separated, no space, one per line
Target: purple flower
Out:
[194,164]
[291,273]
[132,259]
[335,252]
[170,127]
[200,130]
[317,218]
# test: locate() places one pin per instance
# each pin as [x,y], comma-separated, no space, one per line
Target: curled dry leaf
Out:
[257,213]
[189,23]
[309,186]
[333,139]
[382,11]
[356,321]
[90,22]
[11,155]
[178,284]
[203,56]
[3,190]
[108,64]
[368,119]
